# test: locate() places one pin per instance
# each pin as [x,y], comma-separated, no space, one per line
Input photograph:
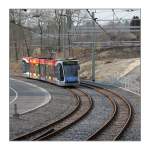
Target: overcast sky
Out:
[107,14]
[104,16]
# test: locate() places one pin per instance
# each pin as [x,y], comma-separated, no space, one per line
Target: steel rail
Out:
[54,129]
[110,118]
[85,107]
[110,124]
[48,128]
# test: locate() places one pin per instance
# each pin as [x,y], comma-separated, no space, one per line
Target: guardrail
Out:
[125,82]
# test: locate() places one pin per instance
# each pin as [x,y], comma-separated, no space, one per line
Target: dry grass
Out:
[15,68]
[106,70]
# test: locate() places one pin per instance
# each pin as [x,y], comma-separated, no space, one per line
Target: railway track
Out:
[111,129]
[118,121]
[84,106]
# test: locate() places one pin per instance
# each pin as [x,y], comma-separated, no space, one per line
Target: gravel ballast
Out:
[62,103]
[133,131]
[102,109]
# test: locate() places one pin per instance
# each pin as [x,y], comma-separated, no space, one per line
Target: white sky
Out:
[107,14]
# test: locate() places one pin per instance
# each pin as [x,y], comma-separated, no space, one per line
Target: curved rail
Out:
[50,130]
[47,129]
[113,127]
[83,110]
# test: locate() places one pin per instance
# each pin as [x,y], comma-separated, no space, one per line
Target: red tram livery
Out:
[63,72]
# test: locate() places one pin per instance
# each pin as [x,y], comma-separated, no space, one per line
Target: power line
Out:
[94,19]
[119,19]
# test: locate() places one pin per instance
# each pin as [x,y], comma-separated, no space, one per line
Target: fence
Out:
[125,82]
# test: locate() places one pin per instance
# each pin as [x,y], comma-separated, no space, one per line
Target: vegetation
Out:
[66,31]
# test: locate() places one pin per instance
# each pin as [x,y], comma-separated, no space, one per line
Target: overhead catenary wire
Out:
[82,30]
[119,19]
[94,19]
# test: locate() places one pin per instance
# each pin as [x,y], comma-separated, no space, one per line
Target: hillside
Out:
[112,63]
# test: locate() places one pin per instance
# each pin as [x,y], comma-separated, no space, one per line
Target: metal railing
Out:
[125,82]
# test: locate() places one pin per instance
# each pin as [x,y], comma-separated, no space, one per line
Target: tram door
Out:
[59,72]
[52,73]
[37,71]
[42,71]
[32,70]
[47,72]
[25,68]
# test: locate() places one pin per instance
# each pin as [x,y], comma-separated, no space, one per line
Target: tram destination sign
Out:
[70,62]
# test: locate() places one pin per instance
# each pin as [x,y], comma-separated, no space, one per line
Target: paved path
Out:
[27,96]
[62,103]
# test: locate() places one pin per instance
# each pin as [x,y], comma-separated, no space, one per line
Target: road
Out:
[26,96]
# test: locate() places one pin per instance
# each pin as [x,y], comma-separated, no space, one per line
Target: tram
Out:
[63,72]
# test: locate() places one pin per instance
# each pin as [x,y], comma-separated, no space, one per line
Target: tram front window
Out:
[59,72]
[71,70]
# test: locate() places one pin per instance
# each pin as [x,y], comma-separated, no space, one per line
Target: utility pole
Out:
[93,48]
[67,16]
[64,50]
[113,16]
[41,30]
[63,32]
[69,23]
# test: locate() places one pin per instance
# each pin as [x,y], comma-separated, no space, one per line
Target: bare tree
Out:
[17,19]
[59,23]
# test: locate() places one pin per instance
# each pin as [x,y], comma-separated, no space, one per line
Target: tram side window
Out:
[37,68]
[25,67]
[51,70]
[59,72]
[42,69]
[47,70]
[56,71]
